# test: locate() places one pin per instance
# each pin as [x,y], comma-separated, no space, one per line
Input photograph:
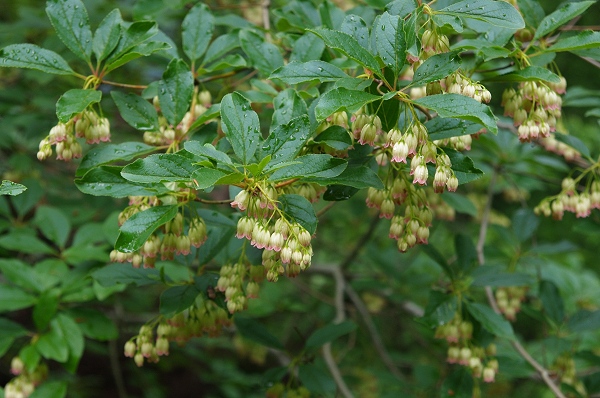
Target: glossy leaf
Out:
[177,298]
[114,274]
[135,34]
[390,41]
[160,167]
[136,111]
[296,72]
[11,188]
[317,165]
[342,99]
[336,137]
[532,11]
[221,46]
[240,125]
[560,17]
[463,167]
[255,331]
[74,102]
[175,91]
[108,153]
[356,176]
[107,35]
[440,128]
[285,142]
[460,107]
[138,228]
[490,321]
[297,208]
[13,298]
[31,56]
[211,114]
[72,25]
[580,41]
[356,27]
[265,56]
[196,31]
[436,67]
[287,105]
[329,333]
[496,13]
[531,73]
[207,151]
[308,47]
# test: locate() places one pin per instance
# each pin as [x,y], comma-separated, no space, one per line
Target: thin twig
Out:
[325,209]
[265,17]
[214,202]
[117,84]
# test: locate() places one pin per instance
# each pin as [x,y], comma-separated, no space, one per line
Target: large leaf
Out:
[24,242]
[356,176]
[74,102]
[33,57]
[498,13]
[136,111]
[436,67]
[329,333]
[72,25]
[73,337]
[560,17]
[114,274]
[440,128]
[108,153]
[135,34]
[265,56]
[285,142]
[255,331]
[300,72]
[240,125]
[107,35]
[177,298]
[356,27]
[175,91]
[318,165]
[460,107]
[532,11]
[221,46]
[11,188]
[307,48]
[297,208]
[390,41]
[108,181]
[138,228]
[196,31]
[490,321]
[207,151]
[580,41]
[160,167]
[54,224]
[342,99]
[531,73]
[51,389]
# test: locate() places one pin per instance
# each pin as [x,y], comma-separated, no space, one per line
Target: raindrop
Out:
[382,27]
[320,69]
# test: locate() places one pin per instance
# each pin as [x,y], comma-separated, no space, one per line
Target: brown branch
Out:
[325,209]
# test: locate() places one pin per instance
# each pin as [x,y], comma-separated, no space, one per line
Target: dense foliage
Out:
[275,194]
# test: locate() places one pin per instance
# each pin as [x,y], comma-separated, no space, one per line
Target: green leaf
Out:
[108,181]
[196,31]
[530,73]
[308,47]
[51,389]
[552,301]
[356,27]
[177,298]
[296,72]
[287,105]
[206,178]
[411,36]
[342,99]
[490,321]
[207,151]
[72,25]
[139,50]
[11,188]
[460,203]
[218,238]
[221,46]
[175,91]
[94,324]
[560,17]
[136,111]
[108,153]
[463,167]
[113,274]
[390,41]
[255,331]
[436,67]
[240,125]
[107,35]
[54,224]
[336,137]
[496,276]
[74,102]
[265,56]
[54,344]
[329,333]
[73,337]
[459,384]
[573,142]
[135,34]
[460,107]
[160,167]
[24,242]
[524,224]
[30,356]
[317,379]
[356,176]
[318,165]
[297,208]
[497,13]
[285,142]
[465,252]
[45,309]
[138,228]
[401,7]
[580,41]
[22,275]
[532,11]
[441,308]
[584,320]
[348,46]
[10,329]
[33,57]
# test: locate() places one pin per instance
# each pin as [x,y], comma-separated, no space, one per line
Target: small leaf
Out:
[459,384]
[210,115]
[53,344]
[240,125]
[574,143]
[206,177]
[329,333]
[108,181]
[73,337]
[107,35]
[584,320]
[108,153]
[138,228]
[25,242]
[308,47]
[496,276]
[285,142]
[342,99]
[411,37]
[532,11]
[54,224]
[531,73]
[51,389]
[13,298]
[465,252]
[196,31]
[94,324]
[401,8]
[356,27]
[580,41]
[441,308]
[113,274]
[207,151]
[221,46]
[74,102]
[296,72]
[135,34]
[335,137]
[160,167]
[287,105]
[460,203]
[560,17]
[317,379]
[317,165]
[524,224]
[436,67]
[297,208]
[552,301]
[265,56]
[463,167]
[11,188]
[33,57]
[71,22]
[136,111]
[497,13]
[390,41]
[177,298]
[440,128]
[490,321]
[356,176]
[175,91]
[255,331]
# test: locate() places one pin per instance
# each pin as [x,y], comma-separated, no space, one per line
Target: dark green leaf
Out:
[356,176]
[11,188]
[296,72]
[197,30]
[459,384]
[33,57]
[524,224]
[436,67]
[465,252]
[463,167]
[460,203]
[584,320]
[255,331]
[138,228]
[25,242]
[113,274]
[108,181]
[356,27]
[108,153]
[175,91]
[107,35]
[287,105]
[177,298]
[319,166]
[54,224]
[94,324]
[139,50]
[390,42]
[329,333]
[10,329]
[496,276]
[13,298]
[221,46]
[581,41]
[136,111]
[51,389]
[207,151]
[75,101]
[401,7]
[560,17]
[265,56]
[574,143]
[317,380]
[342,99]
[411,28]
[211,113]
[218,238]
[490,321]
[22,275]
[336,137]
[348,46]
[309,47]
[441,308]
[206,177]
[531,73]
[74,339]
[160,167]
[497,13]
[297,208]
[240,125]
[460,107]
[552,301]
[135,34]
[532,11]
[285,142]
[235,61]
[72,25]
[54,344]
